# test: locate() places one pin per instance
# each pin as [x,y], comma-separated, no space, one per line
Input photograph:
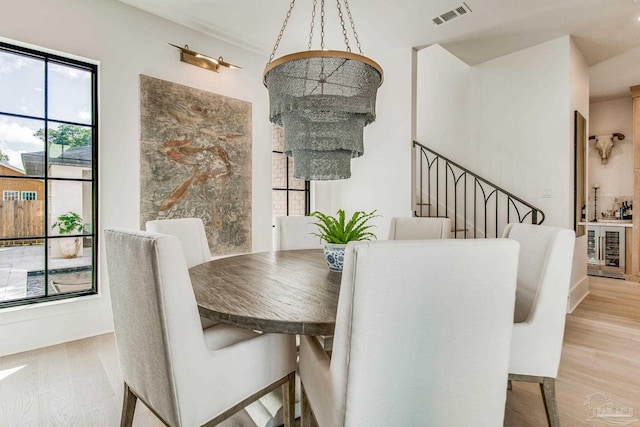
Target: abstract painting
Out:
[195,161]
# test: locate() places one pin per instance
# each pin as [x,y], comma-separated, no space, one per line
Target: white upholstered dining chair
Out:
[295,232]
[422,336]
[414,228]
[191,233]
[193,237]
[186,375]
[544,275]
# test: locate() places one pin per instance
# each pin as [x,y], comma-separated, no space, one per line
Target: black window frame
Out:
[287,188]
[50,58]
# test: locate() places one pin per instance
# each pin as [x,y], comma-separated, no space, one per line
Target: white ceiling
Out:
[606,31]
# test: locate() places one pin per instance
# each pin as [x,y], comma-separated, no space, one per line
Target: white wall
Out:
[510,120]
[579,101]
[443,101]
[520,133]
[616,177]
[511,129]
[381,178]
[127,42]
[507,120]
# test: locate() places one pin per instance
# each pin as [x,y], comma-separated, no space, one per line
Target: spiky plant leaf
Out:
[335,229]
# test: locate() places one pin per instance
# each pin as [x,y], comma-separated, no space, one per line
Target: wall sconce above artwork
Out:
[202,61]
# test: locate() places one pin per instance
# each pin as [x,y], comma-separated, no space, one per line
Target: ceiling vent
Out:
[454,13]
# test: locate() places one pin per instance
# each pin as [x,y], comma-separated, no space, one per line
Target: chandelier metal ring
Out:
[326,54]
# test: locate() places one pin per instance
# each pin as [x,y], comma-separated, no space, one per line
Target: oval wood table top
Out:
[291,292]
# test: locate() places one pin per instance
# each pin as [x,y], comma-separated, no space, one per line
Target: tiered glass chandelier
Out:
[323,99]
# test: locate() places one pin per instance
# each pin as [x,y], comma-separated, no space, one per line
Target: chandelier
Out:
[323,99]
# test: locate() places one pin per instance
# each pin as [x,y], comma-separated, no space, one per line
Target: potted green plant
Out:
[336,232]
[69,223]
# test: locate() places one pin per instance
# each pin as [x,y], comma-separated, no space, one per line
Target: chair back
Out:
[412,228]
[423,331]
[155,315]
[295,232]
[191,233]
[544,275]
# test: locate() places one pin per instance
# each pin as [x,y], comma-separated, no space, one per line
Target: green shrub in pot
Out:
[69,223]
[337,231]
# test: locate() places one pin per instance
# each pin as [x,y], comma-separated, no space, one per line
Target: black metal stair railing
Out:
[477,207]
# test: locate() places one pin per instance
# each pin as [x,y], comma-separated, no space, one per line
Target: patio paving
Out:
[17,261]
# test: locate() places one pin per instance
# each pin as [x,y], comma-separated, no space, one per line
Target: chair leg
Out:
[548,389]
[289,400]
[305,411]
[128,407]
[306,415]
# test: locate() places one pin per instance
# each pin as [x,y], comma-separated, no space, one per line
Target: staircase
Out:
[478,208]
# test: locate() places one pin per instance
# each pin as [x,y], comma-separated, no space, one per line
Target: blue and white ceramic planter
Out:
[334,254]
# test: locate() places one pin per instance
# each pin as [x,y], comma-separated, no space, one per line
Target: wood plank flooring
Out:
[72,384]
[79,383]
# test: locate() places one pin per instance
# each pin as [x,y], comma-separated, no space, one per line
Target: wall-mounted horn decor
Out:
[605,143]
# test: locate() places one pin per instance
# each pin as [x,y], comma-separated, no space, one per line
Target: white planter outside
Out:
[69,247]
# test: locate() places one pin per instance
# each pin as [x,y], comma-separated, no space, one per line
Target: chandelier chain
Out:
[344,29]
[322,24]
[284,25]
[353,26]
[313,20]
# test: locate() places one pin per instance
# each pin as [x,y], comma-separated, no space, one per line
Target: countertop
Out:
[610,222]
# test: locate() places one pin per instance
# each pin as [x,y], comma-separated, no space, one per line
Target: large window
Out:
[48,156]
[290,196]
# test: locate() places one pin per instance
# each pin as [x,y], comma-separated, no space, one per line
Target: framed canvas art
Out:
[195,161]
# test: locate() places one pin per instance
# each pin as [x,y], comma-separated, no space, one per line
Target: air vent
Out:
[463,9]
[448,16]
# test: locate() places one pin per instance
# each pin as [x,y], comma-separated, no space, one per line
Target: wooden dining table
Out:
[291,292]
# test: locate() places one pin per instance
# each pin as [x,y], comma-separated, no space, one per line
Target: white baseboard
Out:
[577,293]
[35,326]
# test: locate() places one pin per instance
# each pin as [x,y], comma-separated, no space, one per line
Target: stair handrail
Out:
[534,209]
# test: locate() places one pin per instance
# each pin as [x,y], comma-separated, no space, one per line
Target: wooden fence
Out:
[20,219]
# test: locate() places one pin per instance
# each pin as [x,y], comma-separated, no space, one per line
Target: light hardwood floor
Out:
[79,384]
[72,384]
[601,354]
